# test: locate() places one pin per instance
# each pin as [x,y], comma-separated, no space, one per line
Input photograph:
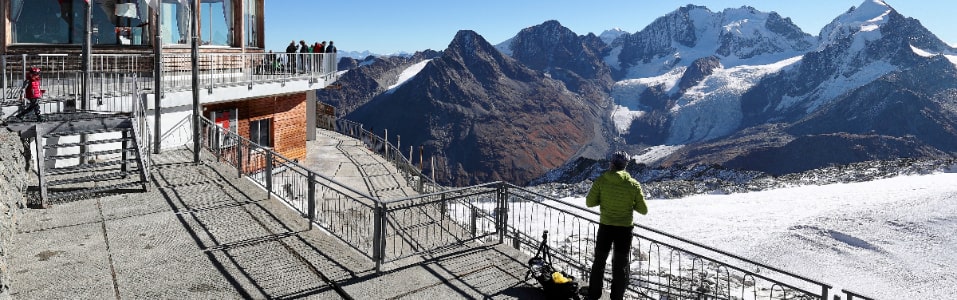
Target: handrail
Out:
[674,237]
[110,73]
[390,152]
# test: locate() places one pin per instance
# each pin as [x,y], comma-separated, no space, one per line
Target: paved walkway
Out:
[201,233]
[348,161]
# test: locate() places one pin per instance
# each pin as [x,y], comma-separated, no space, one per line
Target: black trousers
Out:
[608,236]
[33,107]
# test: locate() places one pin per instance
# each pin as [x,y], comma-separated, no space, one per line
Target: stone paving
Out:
[202,233]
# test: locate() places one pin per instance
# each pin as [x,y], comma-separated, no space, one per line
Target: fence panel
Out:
[341,211]
[662,265]
[442,220]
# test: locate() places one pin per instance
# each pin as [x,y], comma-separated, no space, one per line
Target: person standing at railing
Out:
[331,48]
[618,196]
[290,65]
[303,56]
[33,93]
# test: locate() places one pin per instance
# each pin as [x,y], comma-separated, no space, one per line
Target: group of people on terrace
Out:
[299,60]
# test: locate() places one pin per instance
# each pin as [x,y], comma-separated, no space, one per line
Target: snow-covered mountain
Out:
[736,35]
[871,79]
[738,88]
[609,36]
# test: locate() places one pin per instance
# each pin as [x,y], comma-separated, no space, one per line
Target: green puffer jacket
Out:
[618,194]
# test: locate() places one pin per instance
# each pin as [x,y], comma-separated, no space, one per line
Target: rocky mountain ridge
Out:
[738,88]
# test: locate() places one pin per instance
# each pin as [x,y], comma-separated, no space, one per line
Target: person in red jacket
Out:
[32,92]
[618,196]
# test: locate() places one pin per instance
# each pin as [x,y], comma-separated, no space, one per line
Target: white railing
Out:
[216,70]
[112,77]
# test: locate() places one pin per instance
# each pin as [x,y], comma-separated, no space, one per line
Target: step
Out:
[106,141]
[98,189]
[94,178]
[82,167]
[87,131]
[88,154]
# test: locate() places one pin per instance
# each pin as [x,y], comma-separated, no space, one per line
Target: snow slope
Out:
[407,74]
[713,108]
[889,239]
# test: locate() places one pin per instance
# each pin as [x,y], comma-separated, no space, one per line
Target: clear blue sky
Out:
[390,26]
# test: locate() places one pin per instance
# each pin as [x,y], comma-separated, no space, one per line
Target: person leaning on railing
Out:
[618,196]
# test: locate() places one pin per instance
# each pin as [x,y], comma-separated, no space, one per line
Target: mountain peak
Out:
[865,18]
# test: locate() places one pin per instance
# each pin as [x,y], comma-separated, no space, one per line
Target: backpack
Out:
[556,284]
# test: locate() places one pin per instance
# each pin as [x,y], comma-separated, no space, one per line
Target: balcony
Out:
[115,78]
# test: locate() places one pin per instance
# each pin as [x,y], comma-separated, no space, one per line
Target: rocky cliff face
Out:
[739,88]
[484,116]
[367,79]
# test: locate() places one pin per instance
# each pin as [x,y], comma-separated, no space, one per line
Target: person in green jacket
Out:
[618,196]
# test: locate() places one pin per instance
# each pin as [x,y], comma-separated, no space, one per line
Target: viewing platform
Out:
[203,233]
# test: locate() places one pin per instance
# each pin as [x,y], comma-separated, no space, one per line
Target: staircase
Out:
[83,154]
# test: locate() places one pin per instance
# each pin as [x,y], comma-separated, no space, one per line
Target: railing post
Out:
[124,156]
[501,212]
[516,242]
[378,236]
[239,159]
[474,221]
[268,171]
[3,75]
[217,143]
[311,198]
[824,291]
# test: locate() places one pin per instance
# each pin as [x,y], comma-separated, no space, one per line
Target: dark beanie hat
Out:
[619,160]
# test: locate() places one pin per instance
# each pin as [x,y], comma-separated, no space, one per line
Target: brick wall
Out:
[288,125]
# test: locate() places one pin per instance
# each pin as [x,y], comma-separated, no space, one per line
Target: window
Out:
[216,26]
[252,23]
[259,132]
[175,21]
[64,21]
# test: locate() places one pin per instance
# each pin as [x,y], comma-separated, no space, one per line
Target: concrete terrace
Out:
[202,233]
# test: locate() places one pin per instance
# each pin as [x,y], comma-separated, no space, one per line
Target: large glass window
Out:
[251,23]
[259,132]
[217,22]
[63,21]
[175,20]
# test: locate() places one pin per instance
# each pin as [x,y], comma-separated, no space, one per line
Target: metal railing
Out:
[664,266]
[113,79]
[382,146]
[141,130]
[218,70]
[112,76]
[343,212]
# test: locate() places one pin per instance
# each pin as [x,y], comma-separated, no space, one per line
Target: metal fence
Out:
[112,76]
[343,212]
[217,70]
[663,266]
[383,147]
[113,79]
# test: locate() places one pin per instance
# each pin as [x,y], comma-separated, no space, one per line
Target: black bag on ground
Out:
[556,284]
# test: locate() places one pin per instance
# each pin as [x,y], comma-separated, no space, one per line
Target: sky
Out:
[386,27]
